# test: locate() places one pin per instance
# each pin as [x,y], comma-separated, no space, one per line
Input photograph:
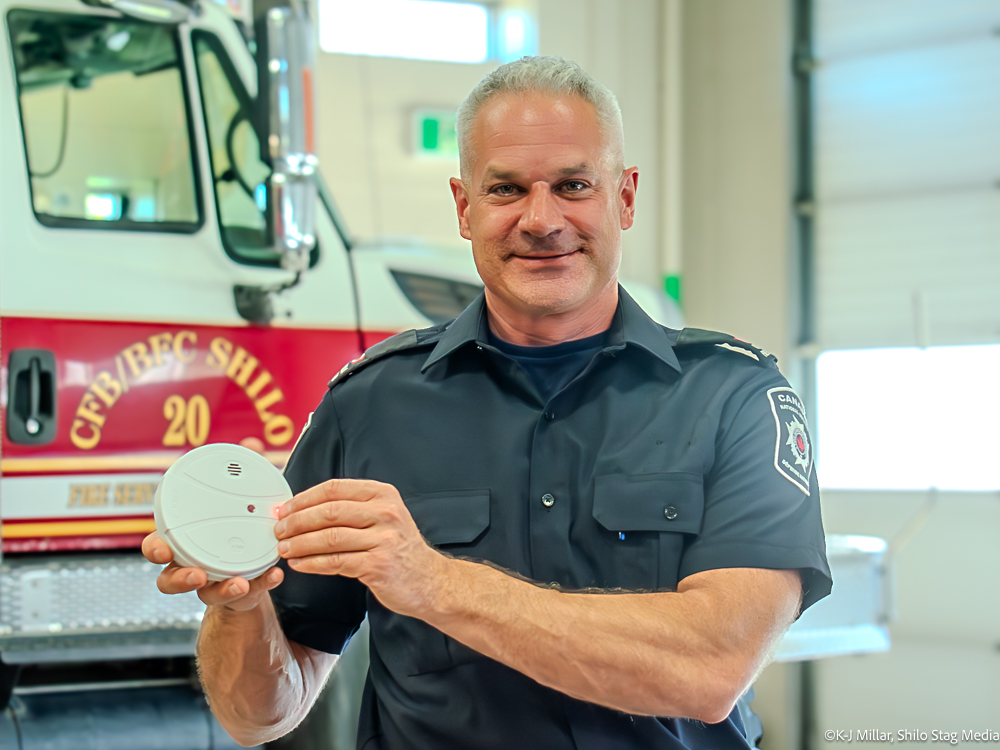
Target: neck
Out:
[528,328]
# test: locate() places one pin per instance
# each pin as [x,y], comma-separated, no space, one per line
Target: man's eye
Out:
[575,186]
[504,190]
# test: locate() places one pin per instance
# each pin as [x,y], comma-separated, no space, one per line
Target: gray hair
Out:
[551,75]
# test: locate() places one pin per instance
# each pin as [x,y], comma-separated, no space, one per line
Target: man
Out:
[562,519]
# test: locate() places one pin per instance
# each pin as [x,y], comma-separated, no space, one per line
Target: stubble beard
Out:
[543,291]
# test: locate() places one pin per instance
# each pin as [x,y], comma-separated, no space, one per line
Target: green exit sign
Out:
[434,134]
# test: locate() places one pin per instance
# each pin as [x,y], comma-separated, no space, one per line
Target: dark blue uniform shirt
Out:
[661,458]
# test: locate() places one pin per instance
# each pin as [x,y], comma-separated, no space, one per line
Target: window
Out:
[106,132]
[238,173]
[909,418]
[426,30]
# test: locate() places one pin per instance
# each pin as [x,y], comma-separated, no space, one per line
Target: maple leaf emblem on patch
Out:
[798,440]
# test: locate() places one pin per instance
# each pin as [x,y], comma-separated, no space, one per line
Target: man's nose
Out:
[542,215]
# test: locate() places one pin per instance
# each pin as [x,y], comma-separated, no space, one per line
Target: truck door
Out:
[131,240]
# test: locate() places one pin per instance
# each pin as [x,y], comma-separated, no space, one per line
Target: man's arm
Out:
[688,654]
[259,684]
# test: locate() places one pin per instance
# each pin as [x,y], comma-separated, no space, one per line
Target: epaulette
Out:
[393,344]
[698,337]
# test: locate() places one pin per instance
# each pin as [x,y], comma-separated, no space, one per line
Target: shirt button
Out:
[670,512]
[548,500]
[549,416]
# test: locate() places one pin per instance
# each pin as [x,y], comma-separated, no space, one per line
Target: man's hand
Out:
[235,593]
[361,529]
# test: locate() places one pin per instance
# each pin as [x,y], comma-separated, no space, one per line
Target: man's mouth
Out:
[544,256]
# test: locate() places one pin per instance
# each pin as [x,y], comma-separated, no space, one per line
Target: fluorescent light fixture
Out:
[103,206]
[414,29]
[909,419]
[518,36]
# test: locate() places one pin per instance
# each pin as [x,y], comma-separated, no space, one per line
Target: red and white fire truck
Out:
[173,272]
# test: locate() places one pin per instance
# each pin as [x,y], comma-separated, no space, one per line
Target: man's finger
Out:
[233,591]
[328,540]
[156,550]
[334,513]
[176,580]
[348,564]
[358,490]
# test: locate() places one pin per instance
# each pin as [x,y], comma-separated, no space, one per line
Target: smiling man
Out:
[568,526]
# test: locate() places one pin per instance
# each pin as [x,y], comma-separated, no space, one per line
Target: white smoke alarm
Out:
[217,506]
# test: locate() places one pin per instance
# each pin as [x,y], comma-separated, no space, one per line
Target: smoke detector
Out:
[217,506]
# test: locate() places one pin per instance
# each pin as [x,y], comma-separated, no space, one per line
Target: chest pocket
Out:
[408,646]
[656,514]
[452,516]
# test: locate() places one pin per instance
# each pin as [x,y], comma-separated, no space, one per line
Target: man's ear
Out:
[462,206]
[629,186]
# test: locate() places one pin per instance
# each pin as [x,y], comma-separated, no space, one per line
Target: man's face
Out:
[544,204]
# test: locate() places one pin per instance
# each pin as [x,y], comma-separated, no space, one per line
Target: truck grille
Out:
[93,598]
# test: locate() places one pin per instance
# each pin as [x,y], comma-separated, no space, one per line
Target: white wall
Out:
[737,130]
[363,142]
[364,104]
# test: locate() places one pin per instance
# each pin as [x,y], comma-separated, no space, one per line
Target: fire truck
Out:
[173,272]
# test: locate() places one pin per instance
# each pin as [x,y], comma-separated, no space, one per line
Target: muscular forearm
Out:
[667,654]
[259,684]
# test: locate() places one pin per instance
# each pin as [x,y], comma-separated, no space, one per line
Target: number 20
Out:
[189,420]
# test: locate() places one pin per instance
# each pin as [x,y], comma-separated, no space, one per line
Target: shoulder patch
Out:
[399,342]
[793,450]
[699,337]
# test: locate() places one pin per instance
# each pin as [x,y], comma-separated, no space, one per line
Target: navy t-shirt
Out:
[552,367]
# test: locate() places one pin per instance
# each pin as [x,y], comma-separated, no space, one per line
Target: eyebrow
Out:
[493,173]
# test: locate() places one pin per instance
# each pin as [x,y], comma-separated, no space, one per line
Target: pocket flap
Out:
[671,501]
[452,516]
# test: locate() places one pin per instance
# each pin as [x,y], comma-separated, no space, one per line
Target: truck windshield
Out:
[238,173]
[106,131]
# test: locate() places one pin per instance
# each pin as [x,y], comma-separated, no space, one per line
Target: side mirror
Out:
[286,55]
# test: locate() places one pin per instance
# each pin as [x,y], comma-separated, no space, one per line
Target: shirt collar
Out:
[631,325]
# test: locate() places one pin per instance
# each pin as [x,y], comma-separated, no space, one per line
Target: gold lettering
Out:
[88,495]
[278,429]
[218,353]
[241,367]
[259,384]
[82,441]
[273,396]
[88,410]
[138,359]
[159,343]
[106,388]
[76,492]
[180,352]
[96,495]
[134,494]
[121,373]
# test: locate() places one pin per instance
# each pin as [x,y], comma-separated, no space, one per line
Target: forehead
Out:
[517,131]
